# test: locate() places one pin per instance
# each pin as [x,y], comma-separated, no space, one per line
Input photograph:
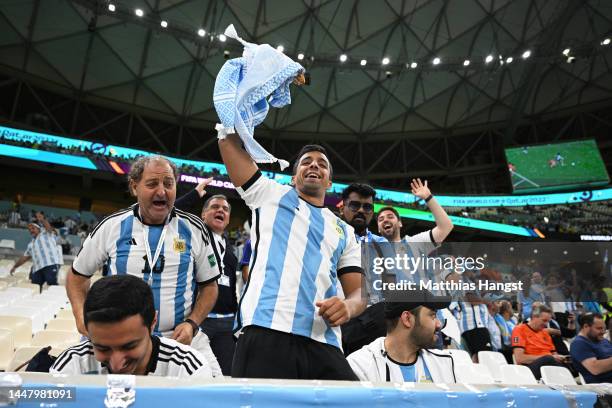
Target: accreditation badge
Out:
[180,245]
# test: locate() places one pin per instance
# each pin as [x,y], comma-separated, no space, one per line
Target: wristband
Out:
[429,198]
[193,325]
[222,131]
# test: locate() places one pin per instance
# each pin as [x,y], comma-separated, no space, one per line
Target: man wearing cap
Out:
[404,355]
[43,251]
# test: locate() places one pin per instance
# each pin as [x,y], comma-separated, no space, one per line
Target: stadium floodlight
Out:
[111,7]
[526,54]
[363,62]
[139,12]
[280,48]
[466,63]
[509,60]
[566,52]
[201,32]
[488,59]
[343,58]
[300,56]
[385,61]
[413,65]
[606,41]
[222,37]
[163,23]
[436,61]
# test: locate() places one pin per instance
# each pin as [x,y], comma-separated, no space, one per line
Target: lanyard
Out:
[160,243]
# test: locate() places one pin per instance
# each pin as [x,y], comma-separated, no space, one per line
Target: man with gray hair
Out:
[532,345]
[168,248]
[219,324]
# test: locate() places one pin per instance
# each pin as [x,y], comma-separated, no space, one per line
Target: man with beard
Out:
[290,312]
[358,209]
[119,315]
[591,353]
[404,355]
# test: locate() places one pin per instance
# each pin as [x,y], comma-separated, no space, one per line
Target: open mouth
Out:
[219,217]
[160,203]
[312,176]
[387,227]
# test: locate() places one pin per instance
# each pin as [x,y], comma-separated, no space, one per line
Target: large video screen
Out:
[556,166]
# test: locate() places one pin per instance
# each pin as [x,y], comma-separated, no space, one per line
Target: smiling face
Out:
[155,191]
[124,347]
[312,175]
[217,215]
[389,226]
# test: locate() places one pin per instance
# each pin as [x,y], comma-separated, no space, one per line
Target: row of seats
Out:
[493,369]
[30,320]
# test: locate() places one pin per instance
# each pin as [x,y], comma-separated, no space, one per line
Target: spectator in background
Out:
[591,353]
[494,330]
[533,291]
[505,321]
[244,262]
[532,344]
[42,250]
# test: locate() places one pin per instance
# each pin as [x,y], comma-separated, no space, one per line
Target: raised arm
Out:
[43,220]
[239,164]
[444,225]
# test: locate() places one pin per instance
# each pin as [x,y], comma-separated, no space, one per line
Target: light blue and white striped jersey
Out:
[44,250]
[470,316]
[187,257]
[299,251]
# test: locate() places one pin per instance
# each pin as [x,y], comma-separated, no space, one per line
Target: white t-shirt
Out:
[299,251]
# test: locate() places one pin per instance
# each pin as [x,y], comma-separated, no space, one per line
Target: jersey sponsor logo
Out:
[211,260]
[133,241]
[180,245]
[339,229]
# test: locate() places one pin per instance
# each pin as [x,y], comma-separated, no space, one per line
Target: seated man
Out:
[532,345]
[404,355]
[591,353]
[119,315]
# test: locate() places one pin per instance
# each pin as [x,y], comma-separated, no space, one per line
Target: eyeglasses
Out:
[356,205]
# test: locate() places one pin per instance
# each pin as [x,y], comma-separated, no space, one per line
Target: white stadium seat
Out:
[493,361]
[65,314]
[460,356]
[56,338]
[62,325]
[36,315]
[553,375]
[514,374]
[473,374]
[7,346]
[21,328]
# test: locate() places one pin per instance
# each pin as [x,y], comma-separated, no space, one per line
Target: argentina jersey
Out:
[299,252]
[187,257]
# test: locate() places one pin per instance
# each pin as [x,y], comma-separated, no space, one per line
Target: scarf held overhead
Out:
[246,87]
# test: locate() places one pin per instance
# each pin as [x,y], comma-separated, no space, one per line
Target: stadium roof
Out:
[114,58]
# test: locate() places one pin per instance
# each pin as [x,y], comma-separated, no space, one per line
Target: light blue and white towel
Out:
[246,86]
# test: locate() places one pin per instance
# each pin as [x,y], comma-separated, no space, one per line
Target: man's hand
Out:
[560,358]
[334,310]
[12,271]
[419,189]
[200,188]
[183,333]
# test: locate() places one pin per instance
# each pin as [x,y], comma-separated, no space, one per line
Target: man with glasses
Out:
[404,355]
